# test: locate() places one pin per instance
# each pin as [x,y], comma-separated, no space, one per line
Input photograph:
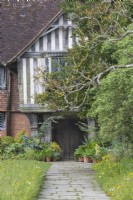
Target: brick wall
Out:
[14,93]
[3,100]
[19,121]
[2,133]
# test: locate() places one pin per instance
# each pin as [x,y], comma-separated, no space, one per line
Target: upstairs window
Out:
[2,78]
[57,63]
[2,121]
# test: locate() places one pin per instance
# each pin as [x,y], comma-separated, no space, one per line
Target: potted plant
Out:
[49,153]
[88,153]
[78,154]
[57,151]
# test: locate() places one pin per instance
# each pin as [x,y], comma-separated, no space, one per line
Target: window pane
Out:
[2,119]
[55,64]
[2,77]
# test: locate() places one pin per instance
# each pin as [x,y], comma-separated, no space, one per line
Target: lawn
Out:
[116,178]
[21,179]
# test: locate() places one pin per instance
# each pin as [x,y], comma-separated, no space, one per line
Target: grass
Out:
[21,179]
[116,178]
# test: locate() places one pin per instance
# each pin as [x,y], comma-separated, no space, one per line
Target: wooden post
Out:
[8,102]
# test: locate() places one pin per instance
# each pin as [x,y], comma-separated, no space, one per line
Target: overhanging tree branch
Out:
[122,36]
[97,78]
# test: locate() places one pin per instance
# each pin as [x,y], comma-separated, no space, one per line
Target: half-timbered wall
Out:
[58,37]
[51,45]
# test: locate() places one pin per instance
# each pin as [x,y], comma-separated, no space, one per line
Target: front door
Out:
[68,135]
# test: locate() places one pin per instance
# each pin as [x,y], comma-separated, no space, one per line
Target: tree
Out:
[105,30]
[113,106]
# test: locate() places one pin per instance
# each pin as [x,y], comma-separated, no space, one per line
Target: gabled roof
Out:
[22,22]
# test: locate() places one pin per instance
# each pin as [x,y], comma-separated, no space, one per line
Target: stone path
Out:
[73,181]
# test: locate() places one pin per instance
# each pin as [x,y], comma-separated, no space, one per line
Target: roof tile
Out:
[21,23]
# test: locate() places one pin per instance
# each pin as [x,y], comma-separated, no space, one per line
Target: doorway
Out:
[68,135]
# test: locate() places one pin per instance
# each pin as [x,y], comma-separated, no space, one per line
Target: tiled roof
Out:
[22,21]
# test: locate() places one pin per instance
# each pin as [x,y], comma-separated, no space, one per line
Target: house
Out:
[34,34]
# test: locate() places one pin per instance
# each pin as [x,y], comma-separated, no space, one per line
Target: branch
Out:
[122,36]
[97,78]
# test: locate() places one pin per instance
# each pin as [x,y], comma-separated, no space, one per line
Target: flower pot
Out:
[81,159]
[48,159]
[87,160]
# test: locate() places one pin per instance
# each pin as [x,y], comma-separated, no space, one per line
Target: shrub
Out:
[52,149]
[19,138]
[90,149]
[15,148]
[49,152]
[99,152]
[6,141]
[79,152]
[31,154]
[55,147]
[115,95]
[31,142]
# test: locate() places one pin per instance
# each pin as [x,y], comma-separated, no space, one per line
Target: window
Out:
[2,78]
[57,63]
[2,120]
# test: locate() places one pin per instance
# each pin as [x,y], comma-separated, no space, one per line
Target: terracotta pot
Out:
[81,159]
[87,160]
[48,159]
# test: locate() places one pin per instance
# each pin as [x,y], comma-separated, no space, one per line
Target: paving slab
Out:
[71,180]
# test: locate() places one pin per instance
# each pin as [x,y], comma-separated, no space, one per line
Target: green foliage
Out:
[30,142]
[113,106]
[102,42]
[56,147]
[79,152]
[52,150]
[32,154]
[21,179]
[45,128]
[116,178]
[15,148]
[119,52]
[19,138]
[99,152]
[124,52]
[41,98]
[88,149]
[49,152]
[5,142]
[89,152]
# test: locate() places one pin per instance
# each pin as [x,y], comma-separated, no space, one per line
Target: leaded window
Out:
[57,63]
[2,120]
[2,77]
